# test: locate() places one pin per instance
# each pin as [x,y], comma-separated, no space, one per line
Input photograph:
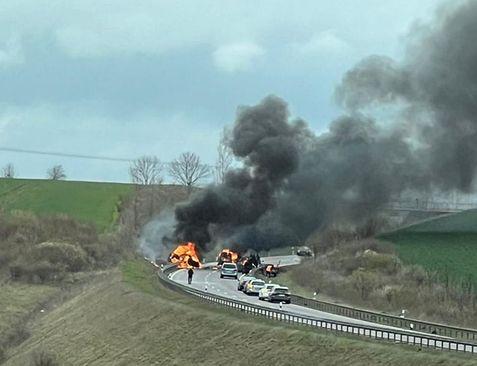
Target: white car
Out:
[253,287]
[263,293]
[242,281]
[229,270]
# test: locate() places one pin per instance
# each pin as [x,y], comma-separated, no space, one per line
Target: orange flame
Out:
[185,256]
[228,255]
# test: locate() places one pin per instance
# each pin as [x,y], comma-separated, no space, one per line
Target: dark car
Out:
[279,293]
[304,252]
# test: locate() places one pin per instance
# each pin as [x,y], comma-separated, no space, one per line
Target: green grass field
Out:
[85,201]
[461,222]
[446,244]
[128,318]
[454,254]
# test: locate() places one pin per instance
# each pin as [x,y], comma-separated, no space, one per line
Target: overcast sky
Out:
[127,78]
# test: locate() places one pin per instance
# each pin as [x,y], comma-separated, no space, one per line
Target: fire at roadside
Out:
[186,255]
[245,263]
[227,256]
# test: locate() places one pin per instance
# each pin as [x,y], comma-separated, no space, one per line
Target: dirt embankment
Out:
[128,319]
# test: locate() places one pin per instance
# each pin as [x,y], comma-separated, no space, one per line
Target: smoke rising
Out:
[294,182]
[437,85]
[155,240]
[268,144]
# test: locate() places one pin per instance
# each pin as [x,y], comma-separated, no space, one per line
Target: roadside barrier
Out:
[396,336]
[386,319]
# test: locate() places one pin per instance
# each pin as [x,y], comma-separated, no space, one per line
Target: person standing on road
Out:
[190,273]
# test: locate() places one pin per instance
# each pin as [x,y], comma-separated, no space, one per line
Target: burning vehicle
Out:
[246,264]
[227,256]
[185,255]
[269,270]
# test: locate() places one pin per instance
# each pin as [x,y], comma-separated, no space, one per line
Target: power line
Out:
[65,155]
[76,156]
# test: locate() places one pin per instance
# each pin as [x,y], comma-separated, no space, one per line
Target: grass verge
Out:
[451,255]
[17,303]
[446,245]
[130,319]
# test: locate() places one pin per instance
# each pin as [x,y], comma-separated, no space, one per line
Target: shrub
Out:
[37,272]
[61,227]
[349,264]
[72,257]
[23,227]
[43,358]
[416,274]
[364,282]
[380,262]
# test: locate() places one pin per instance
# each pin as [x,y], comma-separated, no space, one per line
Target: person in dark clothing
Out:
[190,273]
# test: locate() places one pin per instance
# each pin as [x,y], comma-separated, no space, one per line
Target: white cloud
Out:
[323,43]
[11,52]
[92,28]
[237,56]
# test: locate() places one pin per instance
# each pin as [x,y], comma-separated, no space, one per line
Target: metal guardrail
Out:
[386,319]
[397,336]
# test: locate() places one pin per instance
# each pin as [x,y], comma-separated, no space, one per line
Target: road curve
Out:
[208,280]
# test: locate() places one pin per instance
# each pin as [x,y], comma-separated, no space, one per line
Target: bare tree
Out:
[224,158]
[188,170]
[56,173]
[8,171]
[146,170]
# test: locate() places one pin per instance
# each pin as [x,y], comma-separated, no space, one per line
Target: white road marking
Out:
[175,273]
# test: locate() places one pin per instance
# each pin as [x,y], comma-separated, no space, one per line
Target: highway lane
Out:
[281,261]
[209,280]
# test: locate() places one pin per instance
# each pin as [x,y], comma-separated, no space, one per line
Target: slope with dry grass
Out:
[129,319]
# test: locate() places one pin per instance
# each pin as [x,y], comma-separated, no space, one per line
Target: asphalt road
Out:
[209,280]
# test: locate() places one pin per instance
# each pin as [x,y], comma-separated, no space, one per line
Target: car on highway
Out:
[243,279]
[263,293]
[304,252]
[253,287]
[279,293]
[229,270]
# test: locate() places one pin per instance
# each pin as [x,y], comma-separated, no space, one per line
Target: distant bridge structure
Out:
[430,206]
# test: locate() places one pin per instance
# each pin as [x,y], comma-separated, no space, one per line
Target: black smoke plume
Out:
[269,146]
[436,87]
[293,182]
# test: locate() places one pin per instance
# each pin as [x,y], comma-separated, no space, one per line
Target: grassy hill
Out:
[128,318]
[85,201]
[445,244]
[461,222]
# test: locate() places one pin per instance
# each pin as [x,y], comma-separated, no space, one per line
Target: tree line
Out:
[56,172]
[187,169]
